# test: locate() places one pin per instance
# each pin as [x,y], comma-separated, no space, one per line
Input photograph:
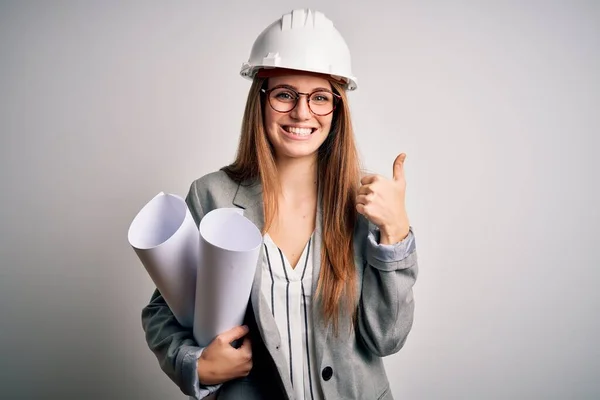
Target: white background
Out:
[496,103]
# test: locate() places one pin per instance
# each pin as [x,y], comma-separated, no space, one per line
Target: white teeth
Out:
[299,131]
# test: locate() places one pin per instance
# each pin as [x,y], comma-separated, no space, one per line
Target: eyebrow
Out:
[318,89]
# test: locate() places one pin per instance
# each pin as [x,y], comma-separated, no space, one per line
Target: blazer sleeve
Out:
[174,345]
[386,306]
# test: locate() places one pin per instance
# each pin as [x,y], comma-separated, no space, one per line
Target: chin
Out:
[297,153]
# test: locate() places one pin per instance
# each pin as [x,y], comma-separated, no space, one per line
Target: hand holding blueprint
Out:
[205,274]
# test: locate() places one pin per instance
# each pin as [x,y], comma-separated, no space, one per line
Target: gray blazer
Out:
[350,364]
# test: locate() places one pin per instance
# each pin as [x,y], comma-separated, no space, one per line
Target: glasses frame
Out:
[336,99]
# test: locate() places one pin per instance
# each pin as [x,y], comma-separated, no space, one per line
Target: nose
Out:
[302,111]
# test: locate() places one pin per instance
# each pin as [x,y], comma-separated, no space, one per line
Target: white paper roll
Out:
[229,249]
[165,238]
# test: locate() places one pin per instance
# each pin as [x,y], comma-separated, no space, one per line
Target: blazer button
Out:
[327,373]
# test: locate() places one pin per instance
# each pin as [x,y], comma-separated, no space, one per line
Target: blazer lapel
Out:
[320,330]
[249,197]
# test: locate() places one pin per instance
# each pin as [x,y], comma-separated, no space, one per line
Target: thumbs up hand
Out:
[382,201]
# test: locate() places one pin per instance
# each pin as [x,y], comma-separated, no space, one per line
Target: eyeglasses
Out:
[284,99]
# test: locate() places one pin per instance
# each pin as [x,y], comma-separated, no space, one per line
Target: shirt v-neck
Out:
[293,274]
[289,295]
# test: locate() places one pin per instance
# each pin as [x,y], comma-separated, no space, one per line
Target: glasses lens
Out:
[321,103]
[282,99]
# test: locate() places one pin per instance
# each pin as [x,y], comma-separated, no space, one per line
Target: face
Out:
[298,133]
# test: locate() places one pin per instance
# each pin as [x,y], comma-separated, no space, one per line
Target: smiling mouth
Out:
[299,131]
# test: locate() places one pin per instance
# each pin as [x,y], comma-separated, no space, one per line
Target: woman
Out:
[333,288]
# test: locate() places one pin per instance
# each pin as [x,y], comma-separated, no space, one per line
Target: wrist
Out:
[204,376]
[392,234]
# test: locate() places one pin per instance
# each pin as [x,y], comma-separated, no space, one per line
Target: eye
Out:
[283,95]
[321,97]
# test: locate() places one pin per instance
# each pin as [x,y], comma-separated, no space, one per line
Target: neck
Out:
[298,177]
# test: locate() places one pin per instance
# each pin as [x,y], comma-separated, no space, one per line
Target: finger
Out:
[362,199]
[360,208]
[368,179]
[247,344]
[399,166]
[365,189]
[233,334]
[246,348]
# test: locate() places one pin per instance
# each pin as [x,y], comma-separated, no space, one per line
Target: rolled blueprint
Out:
[229,249]
[165,238]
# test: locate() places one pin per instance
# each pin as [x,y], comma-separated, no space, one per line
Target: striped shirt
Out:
[289,292]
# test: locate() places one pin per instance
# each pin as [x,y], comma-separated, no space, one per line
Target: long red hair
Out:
[338,178]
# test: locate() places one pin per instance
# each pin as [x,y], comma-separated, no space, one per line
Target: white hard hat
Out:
[302,40]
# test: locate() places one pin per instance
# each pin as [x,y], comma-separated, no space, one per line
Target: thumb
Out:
[234,333]
[399,166]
